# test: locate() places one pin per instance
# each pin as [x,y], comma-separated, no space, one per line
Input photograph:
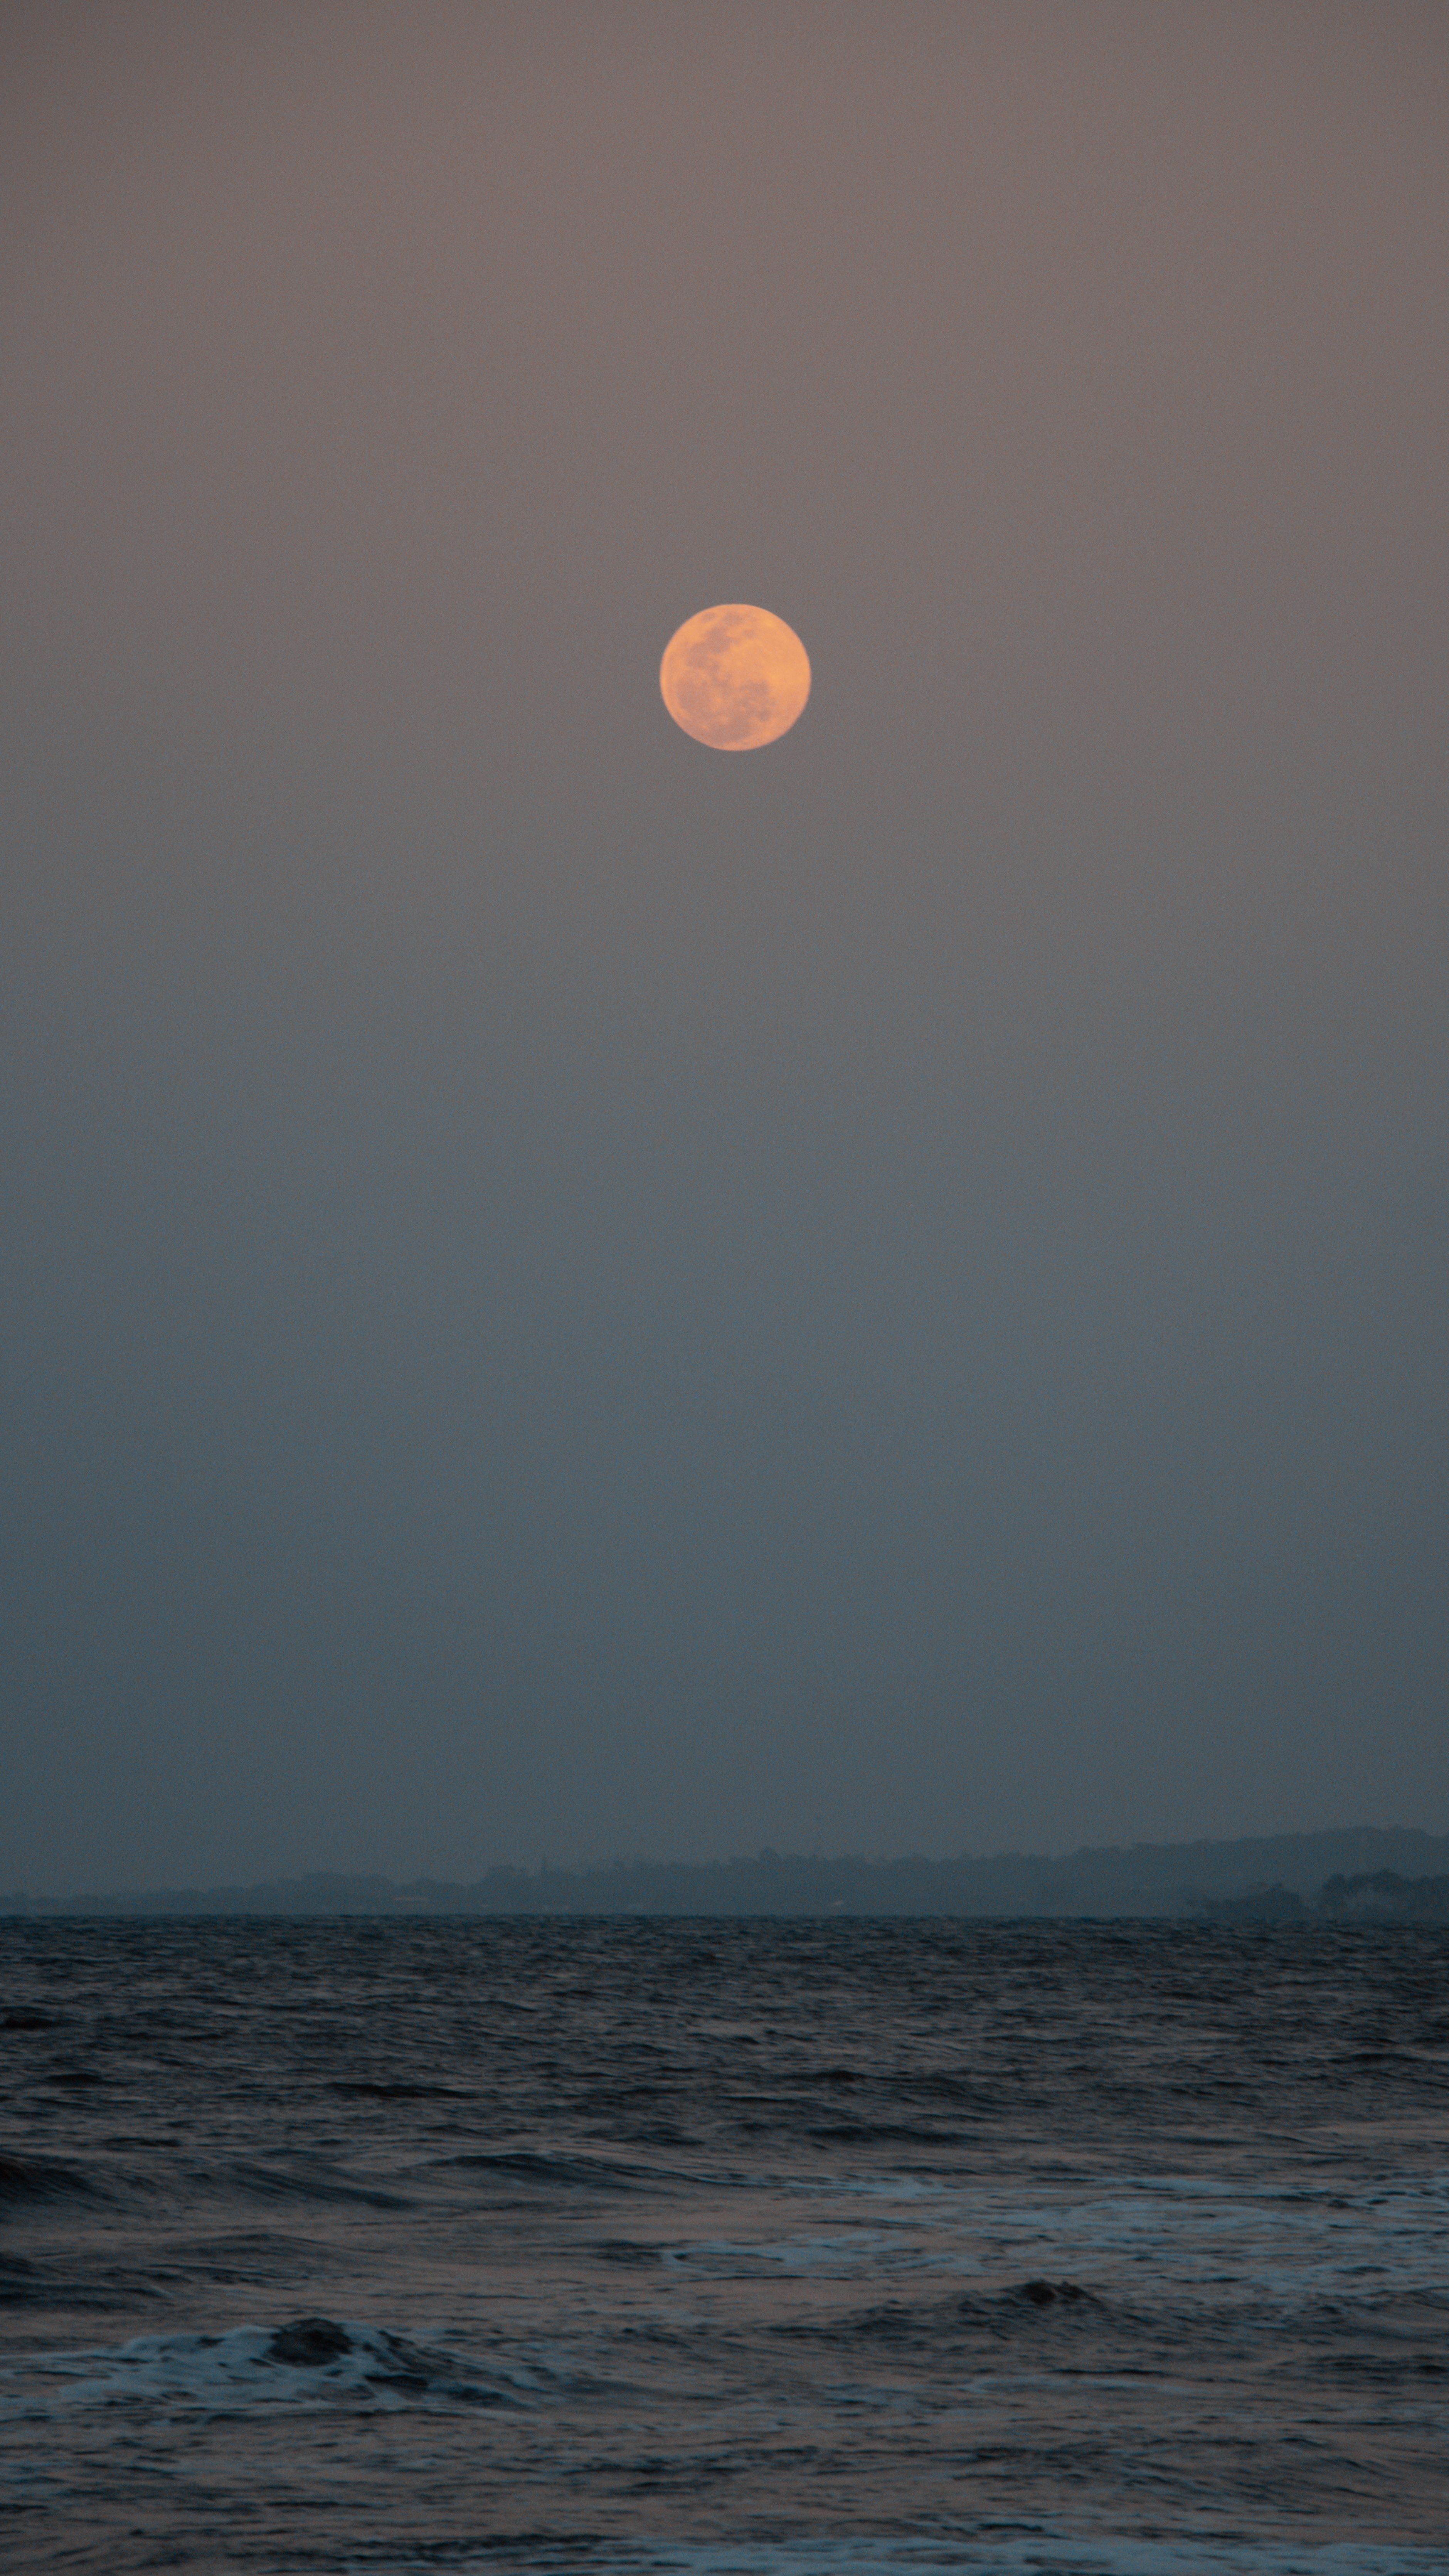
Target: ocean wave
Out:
[308,2362]
[1129,2334]
[38,2178]
[299,2181]
[999,2551]
[593,2173]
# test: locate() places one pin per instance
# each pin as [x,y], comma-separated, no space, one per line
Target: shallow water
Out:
[724,2247]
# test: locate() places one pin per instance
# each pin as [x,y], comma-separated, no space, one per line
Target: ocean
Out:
[724,2248]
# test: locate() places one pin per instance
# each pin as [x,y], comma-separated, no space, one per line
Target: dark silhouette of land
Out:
[1397,1875]
[1385,1897]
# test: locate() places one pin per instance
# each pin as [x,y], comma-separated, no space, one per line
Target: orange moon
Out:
[735,677]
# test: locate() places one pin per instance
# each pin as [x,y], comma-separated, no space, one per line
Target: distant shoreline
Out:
[1363,1872]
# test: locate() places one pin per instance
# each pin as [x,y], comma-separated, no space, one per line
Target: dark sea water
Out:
[714,2247]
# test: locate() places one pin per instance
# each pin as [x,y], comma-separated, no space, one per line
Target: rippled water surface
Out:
[724,2247]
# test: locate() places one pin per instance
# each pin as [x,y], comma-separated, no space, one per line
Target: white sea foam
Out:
[1272,2242]
[840,2257]
[248,2367]
[1245,2240]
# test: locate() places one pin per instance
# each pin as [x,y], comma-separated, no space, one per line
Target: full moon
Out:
[735,677]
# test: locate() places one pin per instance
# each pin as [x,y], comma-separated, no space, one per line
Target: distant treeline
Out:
[1398,1875]
[1383,1893]
[1372,1895]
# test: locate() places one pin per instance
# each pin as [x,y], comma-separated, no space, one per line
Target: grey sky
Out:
[570,1292]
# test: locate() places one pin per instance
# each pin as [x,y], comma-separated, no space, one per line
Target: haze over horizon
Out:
[1398,1872]
[566,1293]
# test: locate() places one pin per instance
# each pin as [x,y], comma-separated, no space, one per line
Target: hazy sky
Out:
[569,1292]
